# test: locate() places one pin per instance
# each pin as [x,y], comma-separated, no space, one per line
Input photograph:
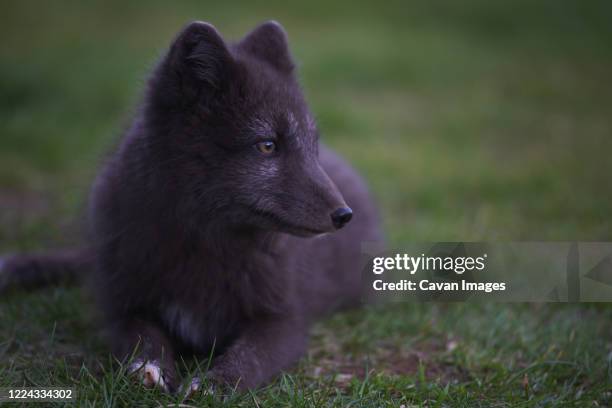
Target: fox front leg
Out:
[149,353]
[264,349]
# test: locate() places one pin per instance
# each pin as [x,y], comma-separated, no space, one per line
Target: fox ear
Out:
[269,43]
[200,52]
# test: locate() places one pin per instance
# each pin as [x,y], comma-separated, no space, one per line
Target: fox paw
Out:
[195,386]
[149,373]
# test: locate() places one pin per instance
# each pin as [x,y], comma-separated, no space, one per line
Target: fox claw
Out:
[195,386]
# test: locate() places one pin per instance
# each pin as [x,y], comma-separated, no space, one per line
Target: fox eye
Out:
[267,147]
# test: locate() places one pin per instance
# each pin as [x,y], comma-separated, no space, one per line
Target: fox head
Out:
[243,146]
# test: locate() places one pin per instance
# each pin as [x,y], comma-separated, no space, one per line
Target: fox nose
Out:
[341,217]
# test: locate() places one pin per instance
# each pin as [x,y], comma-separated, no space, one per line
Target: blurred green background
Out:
[471,120]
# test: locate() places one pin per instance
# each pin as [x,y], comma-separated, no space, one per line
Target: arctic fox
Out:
[220,220]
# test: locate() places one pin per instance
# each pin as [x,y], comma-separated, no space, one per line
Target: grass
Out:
[471,121]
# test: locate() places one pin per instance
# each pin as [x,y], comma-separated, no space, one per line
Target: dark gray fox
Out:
[209,225]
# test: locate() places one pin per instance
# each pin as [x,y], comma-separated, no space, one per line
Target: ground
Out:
[471,121]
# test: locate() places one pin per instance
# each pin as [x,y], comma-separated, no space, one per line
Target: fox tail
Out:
[33,271]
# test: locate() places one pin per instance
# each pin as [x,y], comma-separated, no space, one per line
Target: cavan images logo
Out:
[506,272]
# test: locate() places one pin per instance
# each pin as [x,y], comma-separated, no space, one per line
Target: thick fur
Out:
[198,239]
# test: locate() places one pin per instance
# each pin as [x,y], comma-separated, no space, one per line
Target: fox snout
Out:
[333,212]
